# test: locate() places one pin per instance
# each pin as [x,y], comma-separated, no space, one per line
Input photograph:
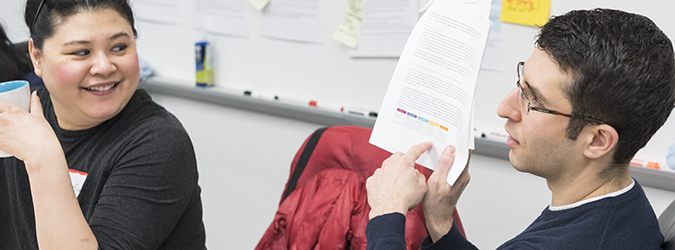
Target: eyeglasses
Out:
[37,14]
[543,110]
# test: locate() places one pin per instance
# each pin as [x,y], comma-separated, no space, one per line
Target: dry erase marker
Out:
[316,104]
[260,95]
[479,134]
[357,111]
[360,112]
[643,163]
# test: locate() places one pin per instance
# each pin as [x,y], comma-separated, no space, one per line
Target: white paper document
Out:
[295,20]
[227,17]
[495,50]
[482,5]
[163,11]
[430,96]
[386,27]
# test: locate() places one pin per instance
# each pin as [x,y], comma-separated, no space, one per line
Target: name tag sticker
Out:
[77,178]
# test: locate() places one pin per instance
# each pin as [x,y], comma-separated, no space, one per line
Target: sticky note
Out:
[350,28]
[526,12]
[259,4]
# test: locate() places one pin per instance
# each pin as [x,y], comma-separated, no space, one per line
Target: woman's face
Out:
[89,66]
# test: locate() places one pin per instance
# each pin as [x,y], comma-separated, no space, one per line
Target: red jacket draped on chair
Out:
[328,208]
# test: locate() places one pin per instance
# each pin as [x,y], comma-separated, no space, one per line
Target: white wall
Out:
[244,161]
[243,170]
[244,157]
[325,71]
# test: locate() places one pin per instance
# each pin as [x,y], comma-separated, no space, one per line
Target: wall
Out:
[244,157]
[244,161]
[325,71]
[243,170]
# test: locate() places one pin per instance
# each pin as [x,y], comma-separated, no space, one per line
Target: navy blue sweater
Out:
[626,221]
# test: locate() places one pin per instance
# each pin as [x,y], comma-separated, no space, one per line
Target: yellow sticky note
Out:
[527,12]
[350,28]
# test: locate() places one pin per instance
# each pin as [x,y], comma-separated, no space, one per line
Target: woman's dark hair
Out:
[55,12]
[622,70]
[14,65]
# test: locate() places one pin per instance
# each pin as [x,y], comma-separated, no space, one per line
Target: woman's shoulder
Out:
[144,116]
[141,107]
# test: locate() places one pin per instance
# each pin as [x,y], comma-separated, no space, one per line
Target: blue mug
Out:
[16,93]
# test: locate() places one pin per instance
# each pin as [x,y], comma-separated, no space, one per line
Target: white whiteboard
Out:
[325,72]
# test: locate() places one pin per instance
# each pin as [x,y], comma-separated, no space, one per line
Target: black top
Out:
[141,188]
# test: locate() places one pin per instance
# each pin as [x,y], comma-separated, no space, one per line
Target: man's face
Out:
[538,140]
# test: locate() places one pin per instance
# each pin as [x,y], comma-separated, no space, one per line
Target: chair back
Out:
[667,225]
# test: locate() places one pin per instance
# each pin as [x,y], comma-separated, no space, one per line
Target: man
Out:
[577,116]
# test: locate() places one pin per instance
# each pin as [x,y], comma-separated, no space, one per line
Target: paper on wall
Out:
[163,11]
[430,96]
[482,5]
[350,28]
[495,51]
[227,17]
[259,4]
[294,20]
[386,27]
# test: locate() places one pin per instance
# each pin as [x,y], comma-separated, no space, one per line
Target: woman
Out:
[98,164]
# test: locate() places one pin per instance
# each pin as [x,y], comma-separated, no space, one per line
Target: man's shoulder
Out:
[626,221]
[632,222]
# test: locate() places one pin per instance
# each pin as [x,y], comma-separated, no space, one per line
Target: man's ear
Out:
[602,141]
[35,57]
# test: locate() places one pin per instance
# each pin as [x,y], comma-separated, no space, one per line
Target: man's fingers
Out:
[444,163]
[420,177]
[416,151]
[394,156]
[464,177]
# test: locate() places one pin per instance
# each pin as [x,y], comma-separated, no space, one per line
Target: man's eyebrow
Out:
[535,92]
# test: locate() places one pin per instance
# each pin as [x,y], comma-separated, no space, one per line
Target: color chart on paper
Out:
[420,125]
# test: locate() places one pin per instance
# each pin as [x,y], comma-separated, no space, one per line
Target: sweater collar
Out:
[586,201]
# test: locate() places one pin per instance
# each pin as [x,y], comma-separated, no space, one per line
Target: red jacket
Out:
[328,209]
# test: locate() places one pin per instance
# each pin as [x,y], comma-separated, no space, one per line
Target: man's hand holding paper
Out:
[431,93]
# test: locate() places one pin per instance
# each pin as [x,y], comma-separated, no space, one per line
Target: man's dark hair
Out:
[55,12]
[622,70]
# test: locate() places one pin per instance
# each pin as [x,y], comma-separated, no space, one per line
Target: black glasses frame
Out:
[543,110]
